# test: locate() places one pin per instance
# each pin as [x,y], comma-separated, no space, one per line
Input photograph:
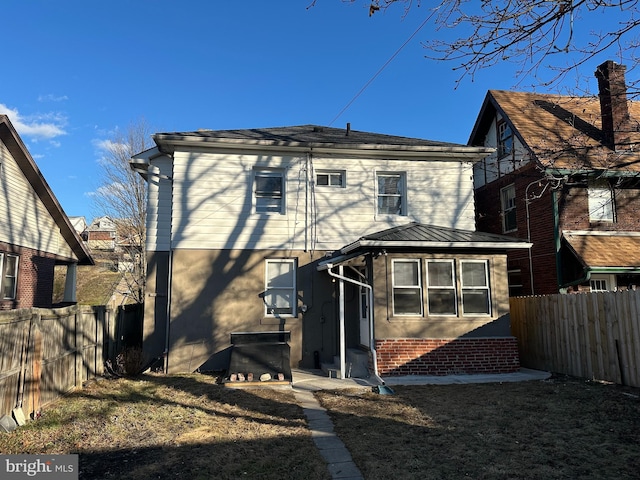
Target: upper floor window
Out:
[601,201]
[330,179]
[505,139]
[407,288]
[9,279]
[391,193]
[280,287]
[508,204]
[269,191]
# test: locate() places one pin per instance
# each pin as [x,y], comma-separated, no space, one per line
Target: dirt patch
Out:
[561,428]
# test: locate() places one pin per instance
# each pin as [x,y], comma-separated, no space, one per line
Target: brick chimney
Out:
[616,125]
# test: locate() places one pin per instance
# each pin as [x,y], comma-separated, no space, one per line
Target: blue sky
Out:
[77,71]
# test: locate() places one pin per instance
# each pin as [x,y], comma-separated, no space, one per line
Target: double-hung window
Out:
[269,191]
[505,139]
[391,193]
[441,287]
[508,204]
[475,287]
[407,288]
[8,281]
[280,287]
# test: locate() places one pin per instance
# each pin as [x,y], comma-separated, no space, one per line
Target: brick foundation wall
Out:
[425,356]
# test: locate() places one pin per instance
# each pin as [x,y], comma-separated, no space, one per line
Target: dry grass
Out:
[175,427]
[558,429]
[190,427]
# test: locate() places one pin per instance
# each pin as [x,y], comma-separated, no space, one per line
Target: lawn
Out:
[188,426]
[563,428]
[175,427]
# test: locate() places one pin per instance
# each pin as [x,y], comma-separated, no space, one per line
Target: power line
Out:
[381,68]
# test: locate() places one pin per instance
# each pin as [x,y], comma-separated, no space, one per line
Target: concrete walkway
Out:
[339,461]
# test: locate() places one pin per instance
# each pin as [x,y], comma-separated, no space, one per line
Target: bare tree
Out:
[536,35]
[122,196]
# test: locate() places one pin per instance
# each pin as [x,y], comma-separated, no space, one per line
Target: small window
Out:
[475,288]
[505,139]
[508,203]
[391,194]
[280,287]
[599,285]
[407,288]
[9,280]
[269,191]
[330,179]
[601,201]
[441,288]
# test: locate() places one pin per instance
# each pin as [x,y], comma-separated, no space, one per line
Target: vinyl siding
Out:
[24,220]
[159,205]
[213,207]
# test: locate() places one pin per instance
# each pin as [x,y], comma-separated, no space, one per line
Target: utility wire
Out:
[382,68]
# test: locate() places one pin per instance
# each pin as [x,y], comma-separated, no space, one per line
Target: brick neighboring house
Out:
[35,233]
[566,176]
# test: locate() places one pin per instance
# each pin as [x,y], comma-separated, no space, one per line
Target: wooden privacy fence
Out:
[45,353]
[589,335]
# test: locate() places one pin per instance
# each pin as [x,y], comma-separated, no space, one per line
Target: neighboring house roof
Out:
[605,250]
[416,235]
[9,136]
[102,224]
[309,136]
[561,132]
[79,223]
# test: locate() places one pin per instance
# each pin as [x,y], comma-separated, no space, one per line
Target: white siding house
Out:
[239,222]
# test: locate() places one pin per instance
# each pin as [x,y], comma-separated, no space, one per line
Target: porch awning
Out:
[606,251]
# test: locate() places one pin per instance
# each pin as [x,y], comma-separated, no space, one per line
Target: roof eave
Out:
[430,244]
[30,170]
[168,143]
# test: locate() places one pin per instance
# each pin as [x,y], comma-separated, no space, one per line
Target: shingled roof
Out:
[570,132]
[305,134]
[566,132]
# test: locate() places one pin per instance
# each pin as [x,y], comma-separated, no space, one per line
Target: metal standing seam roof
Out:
[420,235]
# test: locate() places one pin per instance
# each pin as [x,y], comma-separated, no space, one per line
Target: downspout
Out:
[556,235]
[372,343]
[168,313]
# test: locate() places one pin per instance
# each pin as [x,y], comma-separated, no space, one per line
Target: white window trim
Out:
[486,286]
[269,172]
[453,287]
[3,276]
[601,277]
[403,196]
[394,286]
[292,288]
[601,202]
[343,178]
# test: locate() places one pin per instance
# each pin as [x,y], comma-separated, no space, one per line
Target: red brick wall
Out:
[538,227]
[423,356]
[35,278]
